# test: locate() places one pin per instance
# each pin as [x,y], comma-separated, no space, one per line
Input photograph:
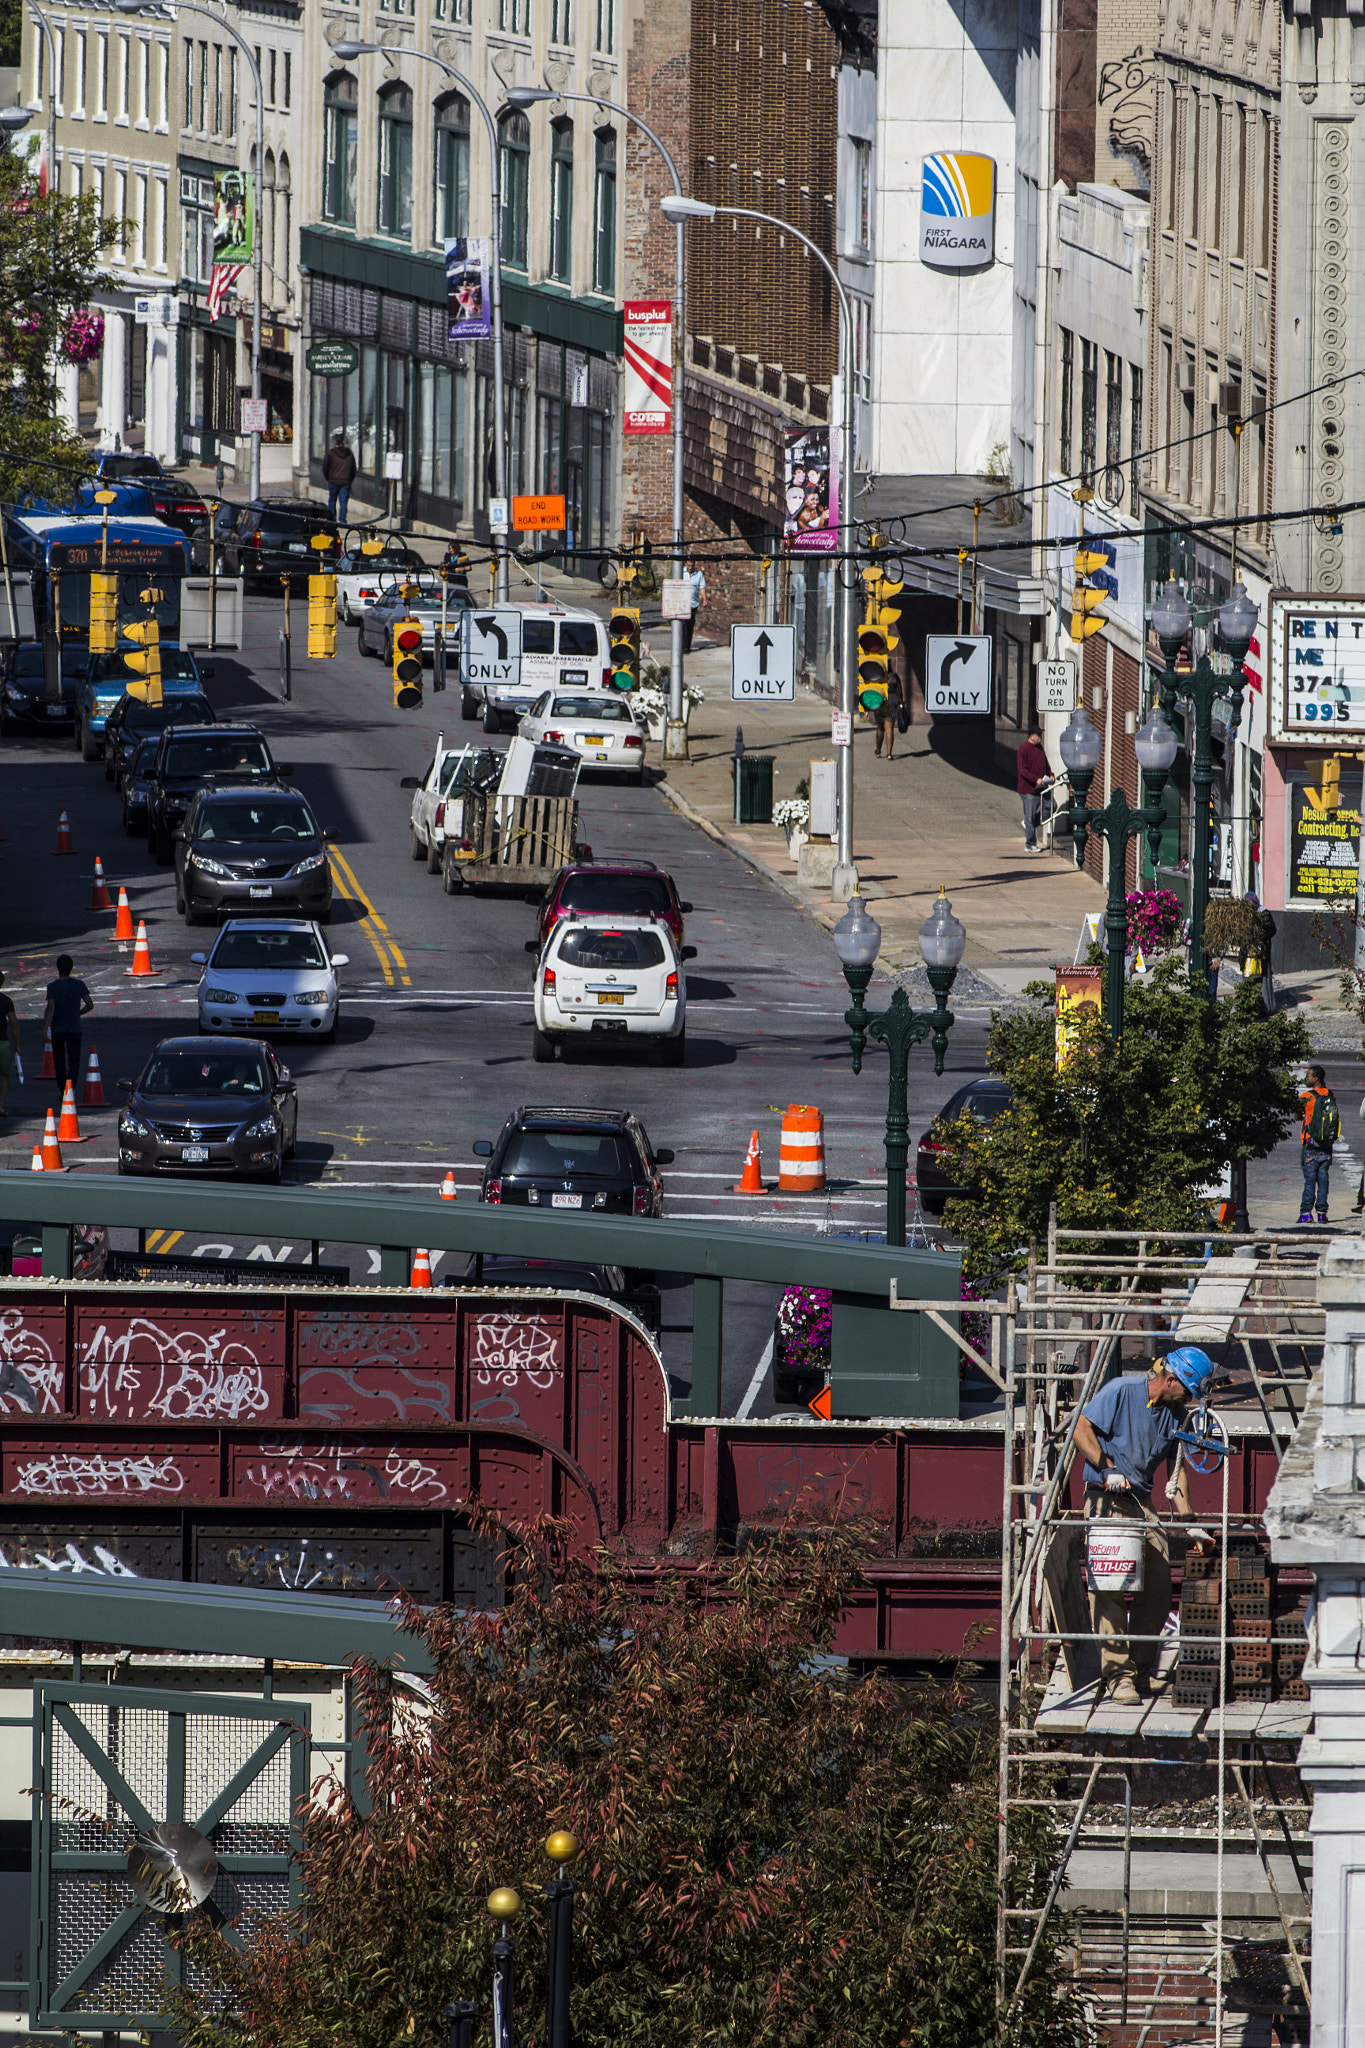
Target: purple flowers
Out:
[1156,919]
[803,1328]
[84,337]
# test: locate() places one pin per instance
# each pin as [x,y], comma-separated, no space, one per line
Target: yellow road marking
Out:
[150,1240]
[174,1238]
[370,922]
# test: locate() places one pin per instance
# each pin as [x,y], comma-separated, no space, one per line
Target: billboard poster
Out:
[467,288]
[1317,669]
[957,210]
[649,367]
[810,522]
[1324,846]
[232,217]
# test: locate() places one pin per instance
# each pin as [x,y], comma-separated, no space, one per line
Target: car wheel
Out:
[673,1051]
[329,1036]
[324,916]
[469,706]
[360,641]
[542,1046]
[345,611]
[491,721]
[450,877]
[419,850]
[272,1179]
[89,750]
[433,858]
[194,917]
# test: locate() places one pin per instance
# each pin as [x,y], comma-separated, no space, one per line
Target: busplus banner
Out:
[649,366]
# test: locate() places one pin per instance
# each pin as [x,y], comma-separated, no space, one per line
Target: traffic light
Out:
[145,634]
[625,647]
[407,665]
[103,611]
[1086,617]
[322,617]
[874,666]
[1324,791]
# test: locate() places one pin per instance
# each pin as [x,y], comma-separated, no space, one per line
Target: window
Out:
[163,100]
[217,88]
[605,37]
[189,83]
[561,23]
[1134,431]
[514,157]
[121,213]
[1215,226]
[144,83]
[125,69]
[101,77]
[1090,393]
[1194,168]
[604,212]
[561,201]
[451,217]
[288,80]
[338,147]
[81,39]
[515,16]
[163,223]
[271,77]
[1113,427]
[1239,224]
[861,212]
[39,50]
[140,222]
[232,93]
[395,161]
[203,88]
[59,67]
[1068,373]
[1267,190]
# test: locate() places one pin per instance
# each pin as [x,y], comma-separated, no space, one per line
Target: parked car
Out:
[136,776]
[123,467]
[239,847]
[374,632]
[23,688]
[599,726]
[438,801]
[591,1159]
[605,978]
[105,680]
[273,976]
[985,1099]
[362,578]
[270,538]
[508,1270]
[131,722]
[186,760]
[610,889]
[181,506]
[202,1107]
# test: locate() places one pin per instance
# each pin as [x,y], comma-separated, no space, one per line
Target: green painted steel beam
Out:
[236,1621]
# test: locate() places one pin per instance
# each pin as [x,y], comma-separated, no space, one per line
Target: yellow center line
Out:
[371,921]
[173,1238]
[150,1241]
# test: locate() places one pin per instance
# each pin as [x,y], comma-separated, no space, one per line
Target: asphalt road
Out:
[435,1042]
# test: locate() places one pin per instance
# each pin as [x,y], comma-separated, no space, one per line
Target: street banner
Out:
[1078,989]
[811,505]
[649,367]
[467,288]
[233,221]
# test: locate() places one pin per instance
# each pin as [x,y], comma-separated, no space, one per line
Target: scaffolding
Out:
[1183,1878]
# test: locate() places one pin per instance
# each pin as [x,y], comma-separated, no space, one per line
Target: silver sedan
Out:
[375,626]
[270,977]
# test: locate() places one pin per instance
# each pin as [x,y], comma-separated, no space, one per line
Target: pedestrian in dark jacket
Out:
[1031,769]
[888,714]
[338,473]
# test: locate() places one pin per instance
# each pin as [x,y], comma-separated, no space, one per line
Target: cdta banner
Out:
[649,366]
[957,210]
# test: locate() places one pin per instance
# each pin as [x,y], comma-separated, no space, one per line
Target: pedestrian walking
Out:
[1320,1131]
[697,579]
[338,473]
[455,566]
[68,1000]
[1031,770]
[1124,1432]
[888,716]
[9,1045]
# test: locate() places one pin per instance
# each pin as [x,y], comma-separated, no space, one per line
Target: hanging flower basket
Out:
[1156,920]
[84,337]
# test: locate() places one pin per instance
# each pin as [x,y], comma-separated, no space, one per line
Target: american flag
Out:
[224,276]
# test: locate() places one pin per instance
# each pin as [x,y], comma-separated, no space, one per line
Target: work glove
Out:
[1115,1482]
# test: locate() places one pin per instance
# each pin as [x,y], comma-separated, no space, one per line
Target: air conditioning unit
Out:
[1184,376]
[1230,400]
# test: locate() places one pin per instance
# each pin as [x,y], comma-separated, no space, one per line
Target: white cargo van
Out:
[511,654]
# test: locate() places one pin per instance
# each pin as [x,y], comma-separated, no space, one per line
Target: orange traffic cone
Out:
[93,1094]
[52,1151]
[38,1166]
[65,844]
[99,895]
[142,952]
[751,1182]
[421,1270]
[449,1191]
[123,926]
[49,1068]
[69,1130]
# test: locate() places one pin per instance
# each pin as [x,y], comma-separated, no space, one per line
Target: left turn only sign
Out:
[762,664]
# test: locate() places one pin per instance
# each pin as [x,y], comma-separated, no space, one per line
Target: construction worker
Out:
[1123,1433]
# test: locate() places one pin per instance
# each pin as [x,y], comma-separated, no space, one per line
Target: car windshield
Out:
[611,949]
[177,665]
[27,661]
[295,525]
[290,821]
[576,636]
[598,710]
[138,717]
[143,758]
[358,564]
[558,1155]
[129,465]
[617,895]
[238,948]
[203,1073]
[213,756]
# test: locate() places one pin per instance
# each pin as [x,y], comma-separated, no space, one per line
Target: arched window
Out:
[395,161]
[561,201]
[283,259]
[339,102]
[452,168]
[604,213]
[265,228]
[514,158]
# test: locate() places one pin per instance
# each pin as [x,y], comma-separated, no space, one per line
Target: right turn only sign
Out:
[957,673]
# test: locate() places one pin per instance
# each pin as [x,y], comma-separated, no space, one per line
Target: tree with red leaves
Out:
[775,1849]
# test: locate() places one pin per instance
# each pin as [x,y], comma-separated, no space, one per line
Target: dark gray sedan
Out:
[244,848]
[200,1107]
[374,628]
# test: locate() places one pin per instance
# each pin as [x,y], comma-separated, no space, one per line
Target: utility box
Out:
[755,789]
[824,800]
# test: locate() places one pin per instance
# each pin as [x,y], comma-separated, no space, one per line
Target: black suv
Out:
[23,687]
[251,849]
[131,722]
[186,759]
[271,538]
[593,1160]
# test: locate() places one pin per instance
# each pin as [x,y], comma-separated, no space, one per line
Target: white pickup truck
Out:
[438,799]
[511,654]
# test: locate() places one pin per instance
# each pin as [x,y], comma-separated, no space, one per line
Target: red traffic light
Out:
[408,639]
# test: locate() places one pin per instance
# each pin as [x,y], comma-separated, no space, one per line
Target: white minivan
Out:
[511,654]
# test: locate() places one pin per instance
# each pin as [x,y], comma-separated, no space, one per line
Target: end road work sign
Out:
[763,663]
[957,673]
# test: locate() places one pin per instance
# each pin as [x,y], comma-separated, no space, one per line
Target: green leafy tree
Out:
[774,1851]
[1122,1137]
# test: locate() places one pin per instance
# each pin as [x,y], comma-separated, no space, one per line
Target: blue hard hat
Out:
[1191,1366]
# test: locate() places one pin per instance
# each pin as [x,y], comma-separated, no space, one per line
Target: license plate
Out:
[298,547]
[195,1155]
[265,1016]
[56,711]
[566,1201]
[261,889]
[573,675]
[619,998]
[594,739]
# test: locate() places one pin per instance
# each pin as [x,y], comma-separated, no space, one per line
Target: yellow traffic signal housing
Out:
[1085,617]
[407,665]
[322,617]
[146,635]
[624,628]
[1325,788]
[103,611]
[888,619]
[874,667]
[1089,561]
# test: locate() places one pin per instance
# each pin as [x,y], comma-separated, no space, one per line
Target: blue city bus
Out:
[55,552]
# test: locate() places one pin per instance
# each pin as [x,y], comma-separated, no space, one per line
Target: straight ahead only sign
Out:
[763,664]
[957,674]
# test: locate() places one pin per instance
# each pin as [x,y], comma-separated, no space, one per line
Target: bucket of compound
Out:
[1113,1556]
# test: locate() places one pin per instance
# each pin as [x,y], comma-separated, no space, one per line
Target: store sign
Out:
[957,210]
[333,359]
[160,309]
[1317,669]
[649,366]
[1324,846]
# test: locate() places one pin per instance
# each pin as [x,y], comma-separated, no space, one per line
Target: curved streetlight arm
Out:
[46,26]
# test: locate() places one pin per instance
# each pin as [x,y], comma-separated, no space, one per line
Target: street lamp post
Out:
[347,50]
[1171,621]
[561,1847]
[194,7]
[1081,747]
[675,732]
[942,941]
[504,1904]
[677,208]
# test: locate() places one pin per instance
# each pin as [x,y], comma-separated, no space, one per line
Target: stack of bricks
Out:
[1290,1619]
[1256,1662]
[1248,1575]
[1199,1672]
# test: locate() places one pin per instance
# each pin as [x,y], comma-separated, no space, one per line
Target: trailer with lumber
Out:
[520,834]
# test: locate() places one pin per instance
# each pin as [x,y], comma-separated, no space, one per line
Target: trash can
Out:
[756,789]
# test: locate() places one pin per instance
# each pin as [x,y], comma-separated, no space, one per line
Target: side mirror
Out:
[664,1156]
[341,959]
[286,1077]
[330,832]
[689,952]
[179,834]
[208,669]
[284,767]
[125,1085]
[684,908]
[411,782]
[199,959]
[533,945]
[483,1148]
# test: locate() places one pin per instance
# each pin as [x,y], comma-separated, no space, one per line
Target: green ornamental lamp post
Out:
[1081,747]
[942,942]
[1202,687]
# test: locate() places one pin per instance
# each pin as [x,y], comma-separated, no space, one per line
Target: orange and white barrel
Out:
[801,1166]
